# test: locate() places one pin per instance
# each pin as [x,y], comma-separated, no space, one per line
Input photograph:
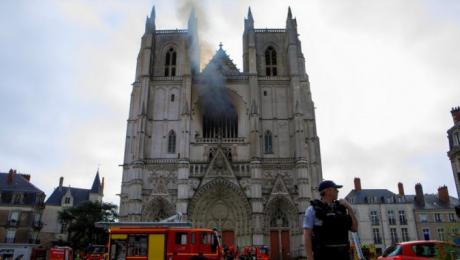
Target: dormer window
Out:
[270,62]
[67,200]
[170,63]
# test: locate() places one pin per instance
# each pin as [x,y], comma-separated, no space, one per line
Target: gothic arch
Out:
[280,211]
[166,48]
[170,64]
[157,208]
[222,204]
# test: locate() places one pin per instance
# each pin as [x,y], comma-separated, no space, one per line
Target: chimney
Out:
[61,182]
[443,194]
[419,197]
[455,114]
[10,177]
[357,184]
[400,189]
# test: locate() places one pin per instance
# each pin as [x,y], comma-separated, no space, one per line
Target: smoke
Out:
[220,118]
[219,114]
[185,9]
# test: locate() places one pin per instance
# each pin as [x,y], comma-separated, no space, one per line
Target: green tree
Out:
[80,221]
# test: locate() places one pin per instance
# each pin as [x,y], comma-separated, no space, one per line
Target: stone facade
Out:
[384,217]
[228,149]
[454,147]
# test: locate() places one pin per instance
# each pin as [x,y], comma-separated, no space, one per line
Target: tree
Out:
[80,222]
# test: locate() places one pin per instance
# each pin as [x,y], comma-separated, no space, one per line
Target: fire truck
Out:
[161,241]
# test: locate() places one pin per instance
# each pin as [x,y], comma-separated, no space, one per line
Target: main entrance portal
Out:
[222,204]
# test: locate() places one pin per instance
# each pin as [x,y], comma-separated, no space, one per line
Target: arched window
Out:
[171,142]
[268,142]
[170,63]
[270,61]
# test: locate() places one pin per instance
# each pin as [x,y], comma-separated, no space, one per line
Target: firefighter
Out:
[326,225]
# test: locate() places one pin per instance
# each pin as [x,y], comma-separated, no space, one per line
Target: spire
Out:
[250,15]
[194,50]
[291,25]
[192,20]
[152,14]
[150,21]
[249,22]
[96,187]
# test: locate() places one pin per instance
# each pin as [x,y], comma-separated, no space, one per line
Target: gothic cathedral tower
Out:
[454,147]
[228,149]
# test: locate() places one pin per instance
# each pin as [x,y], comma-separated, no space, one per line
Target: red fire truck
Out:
[162,240]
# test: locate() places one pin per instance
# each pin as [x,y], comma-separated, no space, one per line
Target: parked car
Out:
[421,250]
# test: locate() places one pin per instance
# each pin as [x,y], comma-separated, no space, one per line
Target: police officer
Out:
[326,225]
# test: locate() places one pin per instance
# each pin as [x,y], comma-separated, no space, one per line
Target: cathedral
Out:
[228,149]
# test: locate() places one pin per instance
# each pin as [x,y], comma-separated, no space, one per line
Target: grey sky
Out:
[384,76]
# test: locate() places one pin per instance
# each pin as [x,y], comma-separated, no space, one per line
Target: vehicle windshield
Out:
[392,250]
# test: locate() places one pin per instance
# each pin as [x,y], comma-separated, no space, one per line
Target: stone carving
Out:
[156,209]
[222,204]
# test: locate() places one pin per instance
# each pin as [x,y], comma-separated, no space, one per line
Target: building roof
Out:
[18,183]
[222,63]
[79,195]
[432,202]
[372,196]
[96,188]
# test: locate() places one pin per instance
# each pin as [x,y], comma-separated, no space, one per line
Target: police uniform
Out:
[330,225]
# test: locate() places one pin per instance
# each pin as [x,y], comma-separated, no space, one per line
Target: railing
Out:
[270,30]
[237,77]
[168,78]
[162,161]
[205,140]
[171,31]
[278,160]
[279,78]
